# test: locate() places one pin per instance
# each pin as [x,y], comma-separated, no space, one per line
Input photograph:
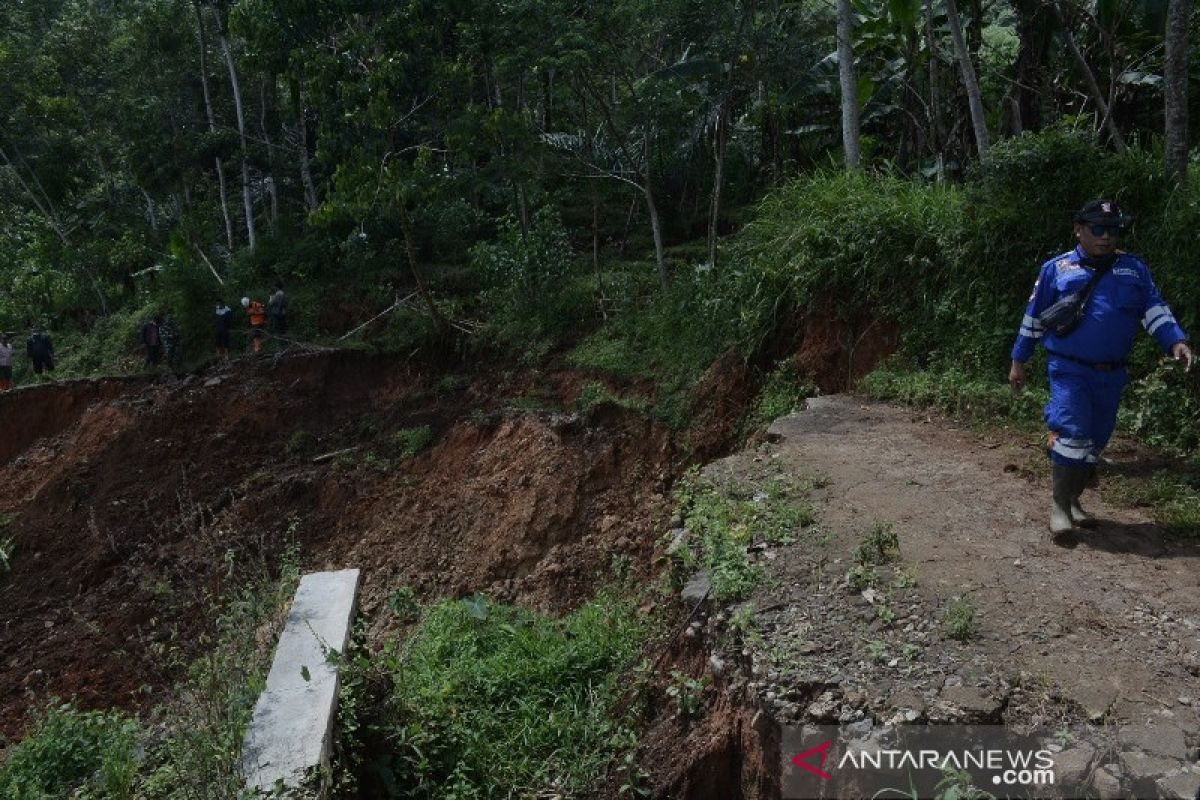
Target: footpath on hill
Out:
[979,617]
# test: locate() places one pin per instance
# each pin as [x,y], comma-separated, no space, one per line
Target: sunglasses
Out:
[1105,230]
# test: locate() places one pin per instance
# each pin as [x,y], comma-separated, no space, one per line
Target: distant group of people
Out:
[272,314]
[39,348]
[160,336]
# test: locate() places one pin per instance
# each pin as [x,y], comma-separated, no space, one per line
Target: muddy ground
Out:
[134,504]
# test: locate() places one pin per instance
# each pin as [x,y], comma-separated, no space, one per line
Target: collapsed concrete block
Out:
[291,731]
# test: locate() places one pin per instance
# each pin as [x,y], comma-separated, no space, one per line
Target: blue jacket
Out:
[1125,296]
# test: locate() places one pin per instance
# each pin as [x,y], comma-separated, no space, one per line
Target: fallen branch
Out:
[334,454]
[387,310]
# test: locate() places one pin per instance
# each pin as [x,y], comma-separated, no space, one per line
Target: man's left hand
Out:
[1183,353]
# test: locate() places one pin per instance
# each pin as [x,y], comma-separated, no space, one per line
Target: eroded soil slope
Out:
[133,504]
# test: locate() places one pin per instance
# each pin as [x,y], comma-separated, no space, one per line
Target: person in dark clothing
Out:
[5,362]
[40,349]
[168,331]
[277,311]
[224,324]
[152,339]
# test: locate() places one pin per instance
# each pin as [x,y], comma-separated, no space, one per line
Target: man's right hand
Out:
[1016,376]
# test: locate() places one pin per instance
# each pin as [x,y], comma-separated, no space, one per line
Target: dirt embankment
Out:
[133,504]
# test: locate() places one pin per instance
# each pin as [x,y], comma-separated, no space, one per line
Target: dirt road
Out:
[1114,621]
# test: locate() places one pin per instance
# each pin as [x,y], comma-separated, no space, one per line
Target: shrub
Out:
[407,442]
[489,700]
[71,752]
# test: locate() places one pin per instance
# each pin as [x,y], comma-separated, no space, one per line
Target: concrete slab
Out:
[291,730]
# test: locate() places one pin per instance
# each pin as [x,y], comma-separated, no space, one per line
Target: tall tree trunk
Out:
[714,211]
[935,96]
[1090,77]
[849,82]
[269,179]
[310,189]
[660,259]
[212,125]
[247,204]
[974,97]
[1033,30]
[1175,79]
[439,321]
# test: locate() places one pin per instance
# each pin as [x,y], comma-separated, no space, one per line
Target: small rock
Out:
[716,665]
[1180,786]
[679,541]
[1105,785]
[1160,740]
[1071,766]
[862,727]
[974,703]
[1140,765]
[697,589]
[212,382]
[1095,700]
[824,708]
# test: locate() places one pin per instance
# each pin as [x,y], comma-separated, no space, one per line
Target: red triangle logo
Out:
[822,750]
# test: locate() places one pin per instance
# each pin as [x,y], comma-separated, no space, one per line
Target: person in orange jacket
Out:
[258,317]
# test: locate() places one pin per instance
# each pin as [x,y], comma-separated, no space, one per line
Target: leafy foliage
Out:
[74,753]
[487,700]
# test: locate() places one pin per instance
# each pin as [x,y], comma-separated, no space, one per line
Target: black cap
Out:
[1102,212]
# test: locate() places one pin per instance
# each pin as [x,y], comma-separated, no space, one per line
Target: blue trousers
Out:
[1082,410]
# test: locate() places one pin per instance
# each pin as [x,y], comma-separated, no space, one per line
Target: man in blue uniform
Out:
[1086,363]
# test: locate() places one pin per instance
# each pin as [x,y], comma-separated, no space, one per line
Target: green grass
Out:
[959,618]
[783,392]
[594,393]
[485,700]
[1172,495]
[725,518]
[197,749]
[881,545]
[72,753]
[967,396]
[408,442]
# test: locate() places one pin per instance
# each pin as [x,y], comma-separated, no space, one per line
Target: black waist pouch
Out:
[1063,317]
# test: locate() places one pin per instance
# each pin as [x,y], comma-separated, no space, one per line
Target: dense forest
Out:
[157,154]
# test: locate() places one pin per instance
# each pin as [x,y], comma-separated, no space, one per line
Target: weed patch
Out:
[487,700]
[73,753]
[959,618]
[408,442]
[727,519]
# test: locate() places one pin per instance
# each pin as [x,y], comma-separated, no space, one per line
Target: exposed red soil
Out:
[836,350]
[137,503]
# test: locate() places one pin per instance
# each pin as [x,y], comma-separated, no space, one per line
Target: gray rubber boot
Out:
[1063,478]
[1085,479]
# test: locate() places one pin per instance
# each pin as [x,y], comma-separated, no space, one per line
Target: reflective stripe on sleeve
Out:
[1153,314]
[1165,319]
